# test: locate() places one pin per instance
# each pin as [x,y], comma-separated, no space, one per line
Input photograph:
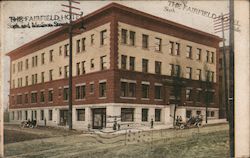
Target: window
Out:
[188,94]
[42,115]
[36,60]
[33,61]
[175,70]
[80,114]
[19,99]
[103,37]
[212,57]
[188,113]
[158,44]
[51,55]
[60,71]
[13,83]
[91,88]
[144,41]
[171,47]
[198,54]
[60,50]
[66,75]
[212,113]
[144,115]
[189,52]
[42,98]
[177,48]
[92,39]
[220,64]
[145,91]
[124,36]
[26,99]
[198,112]
[158,92]
[80,92]
[102,89]
[144,65]
[132,38]
[78,46]
[13,115]
[128,89]
[157,115]
[35,115]
[132,63]
[13,99]
[207,56]
[124,62]
[51,75]
[27,64]
[83,67]
[13,68]
[42,58]
[26,115]
[66,50]
[78,69]
[127,114]
[50,115]
[103,62]
[50,97]
[157,67]
[42,77]
[211,76]
[83,44]
[198,74]
[33,97]
[199,96]
[34,79]
[189,72]
[92,63]
[210,97]
[26,80]
[66,93]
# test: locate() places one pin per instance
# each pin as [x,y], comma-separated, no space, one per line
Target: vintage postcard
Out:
[127,79]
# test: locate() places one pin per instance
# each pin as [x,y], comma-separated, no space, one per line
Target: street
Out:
[209,141]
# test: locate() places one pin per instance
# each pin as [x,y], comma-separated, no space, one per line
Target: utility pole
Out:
[229,94]
[221,26]
[231,78]
[70,33]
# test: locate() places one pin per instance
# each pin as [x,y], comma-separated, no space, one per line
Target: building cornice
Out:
[91,21]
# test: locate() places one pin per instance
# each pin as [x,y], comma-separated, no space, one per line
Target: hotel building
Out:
[123,65]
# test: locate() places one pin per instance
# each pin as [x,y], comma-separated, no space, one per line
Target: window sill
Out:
[158,99]
[145,99]
[80,121]
[128,97]
[158,51]
[80,99]
[102,98]
[145,48]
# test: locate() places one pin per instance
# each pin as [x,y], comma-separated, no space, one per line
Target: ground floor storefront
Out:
[112,116]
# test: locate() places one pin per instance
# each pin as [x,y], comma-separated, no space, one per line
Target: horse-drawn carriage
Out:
[191,122]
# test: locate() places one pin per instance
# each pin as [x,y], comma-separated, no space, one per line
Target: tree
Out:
[207,87]
[176,84]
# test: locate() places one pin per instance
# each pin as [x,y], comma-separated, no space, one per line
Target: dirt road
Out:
[210,140]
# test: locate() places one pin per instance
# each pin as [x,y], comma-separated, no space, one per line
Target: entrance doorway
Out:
[99,118]
[63,117]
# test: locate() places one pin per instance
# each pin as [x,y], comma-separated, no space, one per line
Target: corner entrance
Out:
[99,118]
[63,117]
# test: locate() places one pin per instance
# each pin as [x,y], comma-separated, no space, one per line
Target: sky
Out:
[195,14]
